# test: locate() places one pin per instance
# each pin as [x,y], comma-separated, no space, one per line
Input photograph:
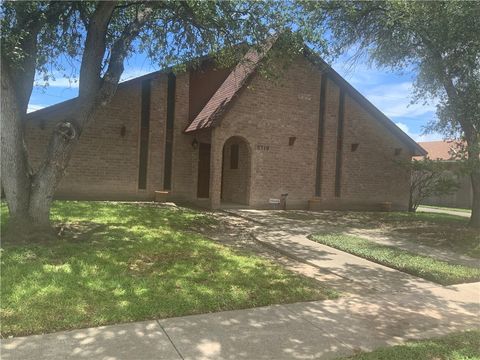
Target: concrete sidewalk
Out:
[312,330]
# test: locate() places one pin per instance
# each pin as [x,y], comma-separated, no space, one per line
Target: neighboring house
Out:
[445,151]
[217,137]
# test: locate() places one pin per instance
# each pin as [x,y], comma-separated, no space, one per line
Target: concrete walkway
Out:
[285,225]
[312,330]
[372,276]
[465,213]
[389,307]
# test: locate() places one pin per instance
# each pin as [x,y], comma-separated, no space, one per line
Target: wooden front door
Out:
[203,190]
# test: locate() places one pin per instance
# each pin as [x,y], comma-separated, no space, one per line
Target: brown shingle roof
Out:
[440,150]
[217,104]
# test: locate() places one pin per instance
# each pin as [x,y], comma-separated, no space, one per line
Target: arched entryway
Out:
[236,165]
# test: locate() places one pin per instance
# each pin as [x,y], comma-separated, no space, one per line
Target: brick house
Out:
[216,137]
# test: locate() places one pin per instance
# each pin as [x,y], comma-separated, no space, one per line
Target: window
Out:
[234,149]
[168,161]
[144,135]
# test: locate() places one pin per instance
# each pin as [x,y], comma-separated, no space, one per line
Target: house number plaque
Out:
[263,147]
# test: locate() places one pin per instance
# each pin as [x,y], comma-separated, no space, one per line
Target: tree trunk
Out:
[475,178]
[14,163]
[28,206]
[473,152]
[29,196]
[411,207]
[48,176]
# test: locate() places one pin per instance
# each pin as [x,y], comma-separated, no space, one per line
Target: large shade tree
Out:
[439,39]
[99,36]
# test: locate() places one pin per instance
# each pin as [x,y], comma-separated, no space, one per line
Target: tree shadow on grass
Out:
[135,265]
[131,271]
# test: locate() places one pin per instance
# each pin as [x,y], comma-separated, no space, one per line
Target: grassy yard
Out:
[458,346]
[425,267]
[120,262]
[400,217]
[446,231]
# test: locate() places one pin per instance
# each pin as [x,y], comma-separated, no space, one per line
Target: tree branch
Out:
[95,45]
[82,13]
[447,82]
[129,4]
[119,52]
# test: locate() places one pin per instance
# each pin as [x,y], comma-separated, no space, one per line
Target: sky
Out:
[390,92]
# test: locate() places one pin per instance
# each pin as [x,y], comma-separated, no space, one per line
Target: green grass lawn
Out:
[423,216]
[423,266]
[458,346]
[120,262]
[447,231]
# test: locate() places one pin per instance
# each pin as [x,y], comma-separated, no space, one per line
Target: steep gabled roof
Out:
[210,115]
[218,103]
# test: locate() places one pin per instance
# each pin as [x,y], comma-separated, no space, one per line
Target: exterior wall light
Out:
[195,143]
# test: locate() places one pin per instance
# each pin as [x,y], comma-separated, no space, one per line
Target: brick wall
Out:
[184,155]
[105,164]
[371,174]
[266,114]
